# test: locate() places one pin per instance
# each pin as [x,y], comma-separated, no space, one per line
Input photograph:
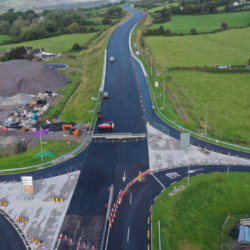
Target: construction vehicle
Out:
[72,132]
[99,115]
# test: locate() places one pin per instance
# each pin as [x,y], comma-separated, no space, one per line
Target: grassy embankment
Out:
[178,108]
[4,38]
[28,158]
[204,23]
[56,44]
[193,218]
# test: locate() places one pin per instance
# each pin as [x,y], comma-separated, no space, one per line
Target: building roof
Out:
[36,51]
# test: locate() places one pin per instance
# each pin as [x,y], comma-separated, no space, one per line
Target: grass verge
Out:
[204,23]
[4,38]
[28,158]
[193,218]
[201,50]
[56,44]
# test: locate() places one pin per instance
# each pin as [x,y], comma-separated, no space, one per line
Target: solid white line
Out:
[130,198]
[107,239]
[157,180]
[128,236]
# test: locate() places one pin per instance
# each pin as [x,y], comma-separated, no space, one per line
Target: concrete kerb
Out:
[170,123]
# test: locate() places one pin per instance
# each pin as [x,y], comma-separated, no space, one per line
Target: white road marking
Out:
[130,198]
[157,180]
[193,171]
[128,236]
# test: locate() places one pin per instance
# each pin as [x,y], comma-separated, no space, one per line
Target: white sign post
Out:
[27,184]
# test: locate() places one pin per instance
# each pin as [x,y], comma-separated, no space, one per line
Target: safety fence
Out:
[120,137]
[17,228]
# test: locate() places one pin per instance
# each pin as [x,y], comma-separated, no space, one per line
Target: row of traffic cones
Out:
[71,241]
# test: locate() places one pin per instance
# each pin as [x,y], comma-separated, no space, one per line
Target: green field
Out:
[162,6]
[95,19]
[193,218]
[204,23]
[27,159]
[226,97]
[4,38]
[56,44]
[227,47]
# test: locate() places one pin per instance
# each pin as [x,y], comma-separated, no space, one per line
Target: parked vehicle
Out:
[99,115]
[112,59]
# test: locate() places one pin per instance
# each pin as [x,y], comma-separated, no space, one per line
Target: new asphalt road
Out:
[104,163]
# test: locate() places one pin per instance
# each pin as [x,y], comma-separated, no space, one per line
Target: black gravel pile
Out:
[19,76]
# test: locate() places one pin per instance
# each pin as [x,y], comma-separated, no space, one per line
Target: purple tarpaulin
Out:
[42,132]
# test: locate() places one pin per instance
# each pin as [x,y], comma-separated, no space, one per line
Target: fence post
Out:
[159,229]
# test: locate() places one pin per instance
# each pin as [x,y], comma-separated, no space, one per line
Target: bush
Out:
[76,47]
[249,60]
[224,25]
[193,31]
[168,32]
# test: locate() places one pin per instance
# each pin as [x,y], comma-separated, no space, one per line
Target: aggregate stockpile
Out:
[19,76]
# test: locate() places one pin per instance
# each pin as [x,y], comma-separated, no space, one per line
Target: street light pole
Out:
[206,121]
[164,64]
[188,166]
[41,142]
[164,95]
[146,56]
[151,65]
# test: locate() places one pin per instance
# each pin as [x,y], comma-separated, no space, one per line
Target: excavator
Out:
[72,132]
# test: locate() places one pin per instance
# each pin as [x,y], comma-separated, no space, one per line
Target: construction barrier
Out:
[5,204]
[57,199]
[22,220]
[36,241]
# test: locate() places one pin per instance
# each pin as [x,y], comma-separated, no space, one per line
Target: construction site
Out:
[27,91]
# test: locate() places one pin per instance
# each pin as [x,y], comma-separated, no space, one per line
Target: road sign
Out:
[27,184]
[185,140]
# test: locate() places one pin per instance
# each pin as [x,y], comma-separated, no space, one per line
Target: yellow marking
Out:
[150,209]
[148,247]
[155,198]
[200,174]
[173,183]
[148,233]
[148,220]
[184,178]
[163,190]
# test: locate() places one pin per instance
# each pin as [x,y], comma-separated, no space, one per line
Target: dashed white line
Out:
[128,236]
[130,198]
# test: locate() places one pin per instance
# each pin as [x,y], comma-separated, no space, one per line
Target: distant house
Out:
[38,53]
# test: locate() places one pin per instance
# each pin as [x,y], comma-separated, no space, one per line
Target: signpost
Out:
[27,184]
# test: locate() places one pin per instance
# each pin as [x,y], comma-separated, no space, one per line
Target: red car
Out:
[106,125]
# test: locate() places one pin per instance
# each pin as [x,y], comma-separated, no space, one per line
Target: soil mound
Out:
[15,100]
[19,76]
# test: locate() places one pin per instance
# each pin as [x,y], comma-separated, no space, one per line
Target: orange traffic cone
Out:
[109,188]
[93,248]
[65,237]
[78,243]
[115,210]
[113,220]
[111,215]
[71,241]
[60,236]
[114,216]
[84,246]
[110,225]
[106,205]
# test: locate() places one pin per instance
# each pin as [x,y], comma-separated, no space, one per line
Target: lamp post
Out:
[41,142]
[151,65]
[206,122]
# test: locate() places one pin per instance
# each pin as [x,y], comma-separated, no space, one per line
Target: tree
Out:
[249,60]
[193,31]
[161,30]
[76,47]
[224,25]
[4,27]
[168,32]
[18,53]
[73,27]
[189,9]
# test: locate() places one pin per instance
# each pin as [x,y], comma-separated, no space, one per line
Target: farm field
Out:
[162,6]
[56,44]
[225,95]
[193,218]
[4,38]
[201,50]
[204,23]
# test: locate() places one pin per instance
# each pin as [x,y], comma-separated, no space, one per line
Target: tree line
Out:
[26,26]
